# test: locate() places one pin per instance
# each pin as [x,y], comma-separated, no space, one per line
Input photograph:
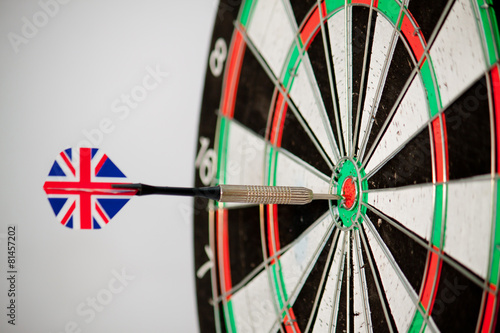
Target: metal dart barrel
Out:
[280,195]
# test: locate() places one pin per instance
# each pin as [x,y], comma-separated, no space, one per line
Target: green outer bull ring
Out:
[347,218]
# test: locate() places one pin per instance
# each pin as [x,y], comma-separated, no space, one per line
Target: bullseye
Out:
[349,193]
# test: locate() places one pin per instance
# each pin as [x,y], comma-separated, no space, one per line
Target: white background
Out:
[54,92]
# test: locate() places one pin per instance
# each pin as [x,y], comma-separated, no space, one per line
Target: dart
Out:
[86,190]
[250,194]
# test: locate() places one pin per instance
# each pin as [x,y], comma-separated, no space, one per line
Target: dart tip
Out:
[327,196]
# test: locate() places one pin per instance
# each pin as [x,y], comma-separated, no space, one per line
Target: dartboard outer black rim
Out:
[394,104]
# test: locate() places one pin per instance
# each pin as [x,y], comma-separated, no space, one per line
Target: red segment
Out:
[445,136]
[495,83]
[68,163]
[323,9]
[68,213]
[232,76]
[366,2]
[273,240]
[223,250]
[349,192]
[310,28]
[438,141]
[490,318]
[412,34]
[101,213]
[291,325]
[428,295]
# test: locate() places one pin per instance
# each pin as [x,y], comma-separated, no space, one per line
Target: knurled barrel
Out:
[254,194]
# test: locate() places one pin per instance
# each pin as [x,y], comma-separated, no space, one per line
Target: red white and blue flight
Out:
[79,188]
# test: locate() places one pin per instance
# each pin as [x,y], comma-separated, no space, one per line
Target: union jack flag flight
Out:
[79,188]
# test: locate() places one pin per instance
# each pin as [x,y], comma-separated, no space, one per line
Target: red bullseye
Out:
[349,192]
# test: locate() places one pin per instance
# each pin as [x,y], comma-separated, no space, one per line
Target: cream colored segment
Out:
[400,301]
[293,172]
[326,318]
[296,263]
[341,64]
[245,156]
[270,31]
[382,38]
[305,94]
[253,307]
[412,206]
[457,54]
[468,223]
[408,119]
[361,305]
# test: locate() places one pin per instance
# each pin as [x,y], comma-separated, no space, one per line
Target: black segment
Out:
[469,135]
[253,99]
[305,300]
[316,52]
[379,320]
[458,302]
[399,72]
[342,310]
[296,141]
[301,8]
[293,220]
[427,14]
[245,247]
[409,255]
[412,165]
[360,17]
[350,292]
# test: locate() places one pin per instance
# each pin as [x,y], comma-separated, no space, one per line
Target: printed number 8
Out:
[217,57]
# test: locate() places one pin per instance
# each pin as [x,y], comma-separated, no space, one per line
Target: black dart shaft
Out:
[143,189]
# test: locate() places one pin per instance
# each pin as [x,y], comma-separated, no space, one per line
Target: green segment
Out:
[273,158]
[496,244]
[391,9]
[279,280]
[230,312]
[438,217]
[276,287]
[417,322]
[245,14]
[490,28]
[331,5]
[222,148]
[434,104]
[291,68]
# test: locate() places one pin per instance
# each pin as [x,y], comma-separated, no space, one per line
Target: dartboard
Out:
[393,104]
